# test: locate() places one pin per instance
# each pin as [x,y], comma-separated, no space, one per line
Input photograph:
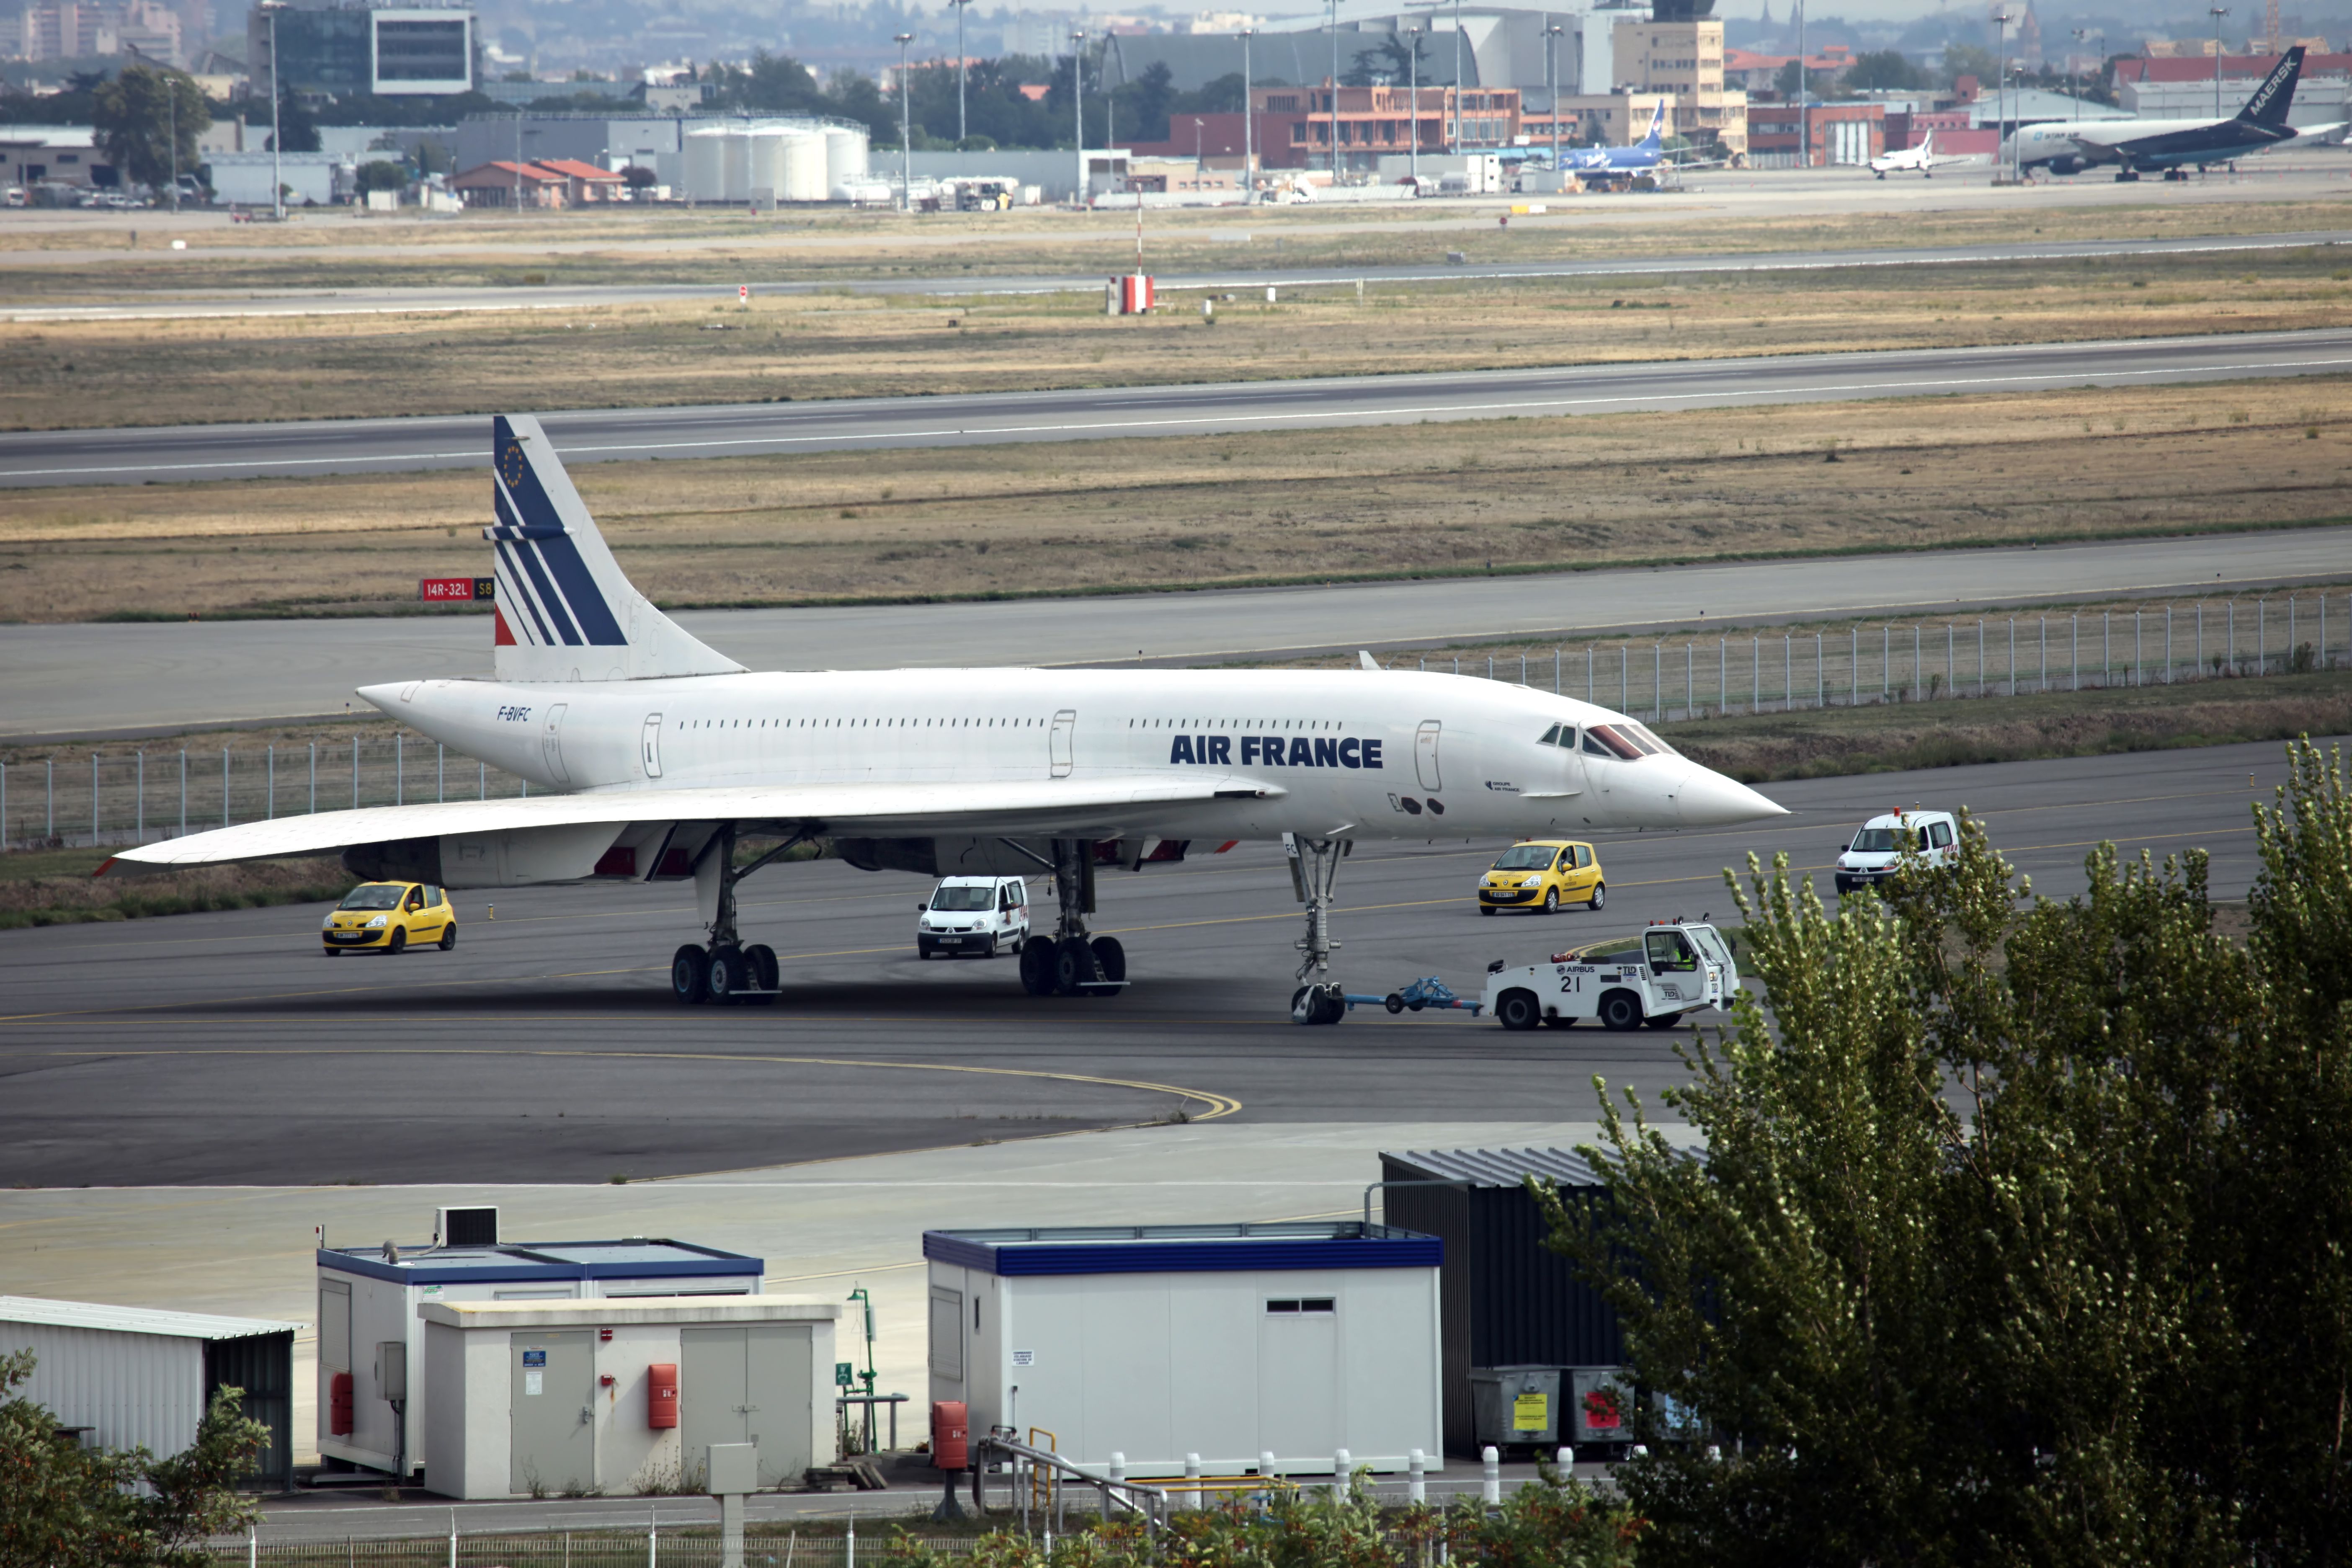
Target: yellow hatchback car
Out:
[386,917]
[1543,874]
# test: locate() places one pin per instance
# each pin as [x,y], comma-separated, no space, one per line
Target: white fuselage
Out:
[1367,754]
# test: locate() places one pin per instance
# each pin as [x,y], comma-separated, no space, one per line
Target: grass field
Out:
[799,347]
[1506,495]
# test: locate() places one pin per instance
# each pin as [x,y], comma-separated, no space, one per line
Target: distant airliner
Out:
[2148,146]
[663,755]
[1921,158]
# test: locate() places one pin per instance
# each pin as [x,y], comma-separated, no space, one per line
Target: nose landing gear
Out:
[1314,868]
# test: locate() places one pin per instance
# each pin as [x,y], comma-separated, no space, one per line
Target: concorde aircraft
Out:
[652,756]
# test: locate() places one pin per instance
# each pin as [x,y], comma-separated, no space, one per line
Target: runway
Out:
[195,304]
[83,680]
[223,1048]
[1131,413]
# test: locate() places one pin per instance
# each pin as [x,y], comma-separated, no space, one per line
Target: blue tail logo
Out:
[540,568]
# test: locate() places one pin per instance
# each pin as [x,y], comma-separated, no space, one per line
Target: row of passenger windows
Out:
[1308,724]
[859,723]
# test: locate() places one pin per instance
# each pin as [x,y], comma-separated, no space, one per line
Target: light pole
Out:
[1454,143]
[2016,152]
[1249,117]
[1804,109]
[1552,84]
[276,179]
[1199,163]
[906,125]
[1334,5]
[2001,83]
[1413,92]
[171,102]
[962,134]
[2217,12]
[1078,102]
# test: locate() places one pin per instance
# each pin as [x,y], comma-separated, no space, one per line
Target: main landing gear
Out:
[1314,868]
[725,973]
[1070,963]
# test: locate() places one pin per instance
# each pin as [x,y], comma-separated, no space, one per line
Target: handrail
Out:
[1149,1501]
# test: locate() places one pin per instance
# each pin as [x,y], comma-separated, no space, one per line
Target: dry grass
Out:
[1882,738]
[55,887]
[60,375]
[1207,511]
[686,246]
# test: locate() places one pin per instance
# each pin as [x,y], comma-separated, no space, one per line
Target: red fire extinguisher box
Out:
[339,1406]
[661,1395]
[950,1436]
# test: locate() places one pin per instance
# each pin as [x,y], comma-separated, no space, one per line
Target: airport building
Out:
[2182,88]
[1784,136]
[349,46]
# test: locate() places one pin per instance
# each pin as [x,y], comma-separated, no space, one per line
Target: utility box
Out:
[370,1296]
[950,1436]
[1224,1340]
[538,1397]
[1512,1304]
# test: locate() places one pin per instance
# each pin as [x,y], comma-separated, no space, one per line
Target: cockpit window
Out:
[1550,737]
[1649,742]
[1612,744]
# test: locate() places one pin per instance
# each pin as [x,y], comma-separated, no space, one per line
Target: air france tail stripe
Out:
[550,600]
[511,589]
[518,588]
[581,597]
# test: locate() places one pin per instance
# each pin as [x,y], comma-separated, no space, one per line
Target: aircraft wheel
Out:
[1110,959]
[1037,966]
[1073,966]
[1318,1004]
[689,976]
[760,964]
[1599,897]
[1621,1010]
[729,976]
[449,936]
[1518,1010]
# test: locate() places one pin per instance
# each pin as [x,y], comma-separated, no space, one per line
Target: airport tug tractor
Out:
[1679,967]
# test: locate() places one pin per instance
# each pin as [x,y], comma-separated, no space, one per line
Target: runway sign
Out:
[456,590]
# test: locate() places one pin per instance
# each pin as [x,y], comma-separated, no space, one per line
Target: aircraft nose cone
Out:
[1707,799]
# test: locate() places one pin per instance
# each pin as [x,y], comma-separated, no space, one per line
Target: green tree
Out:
[2023,1230]
[1884,70]
[1970,59]
[379,175]
[135,118]
[63,1506]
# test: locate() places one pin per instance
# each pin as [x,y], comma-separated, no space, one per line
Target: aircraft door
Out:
[1064,723]
[550,743]
[651,748]
[1424,753]
[1572,762]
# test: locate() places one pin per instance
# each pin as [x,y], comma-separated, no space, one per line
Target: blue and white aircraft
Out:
[650,754]
[2170,146]
[1618,165]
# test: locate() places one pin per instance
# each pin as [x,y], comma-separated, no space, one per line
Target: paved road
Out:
[194,305]
[110,680]
[222,1049]
[1128,413]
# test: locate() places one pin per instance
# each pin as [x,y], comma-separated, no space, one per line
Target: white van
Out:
[982,915]
[1878,845]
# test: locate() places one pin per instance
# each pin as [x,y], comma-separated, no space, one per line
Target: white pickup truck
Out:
[1678,968]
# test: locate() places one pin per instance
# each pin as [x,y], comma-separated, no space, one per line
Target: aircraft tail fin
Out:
[564,611]
[2276,95]
[1650,140]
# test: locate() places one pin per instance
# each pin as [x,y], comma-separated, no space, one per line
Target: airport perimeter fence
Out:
[1923,659]
[640,1548]
[137,796]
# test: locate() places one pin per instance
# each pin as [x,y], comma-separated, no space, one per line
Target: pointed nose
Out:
[1707,799]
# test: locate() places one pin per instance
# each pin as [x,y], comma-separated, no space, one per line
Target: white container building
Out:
[373,1401]
[541,1397]
[1224,1340]
[130,1377]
